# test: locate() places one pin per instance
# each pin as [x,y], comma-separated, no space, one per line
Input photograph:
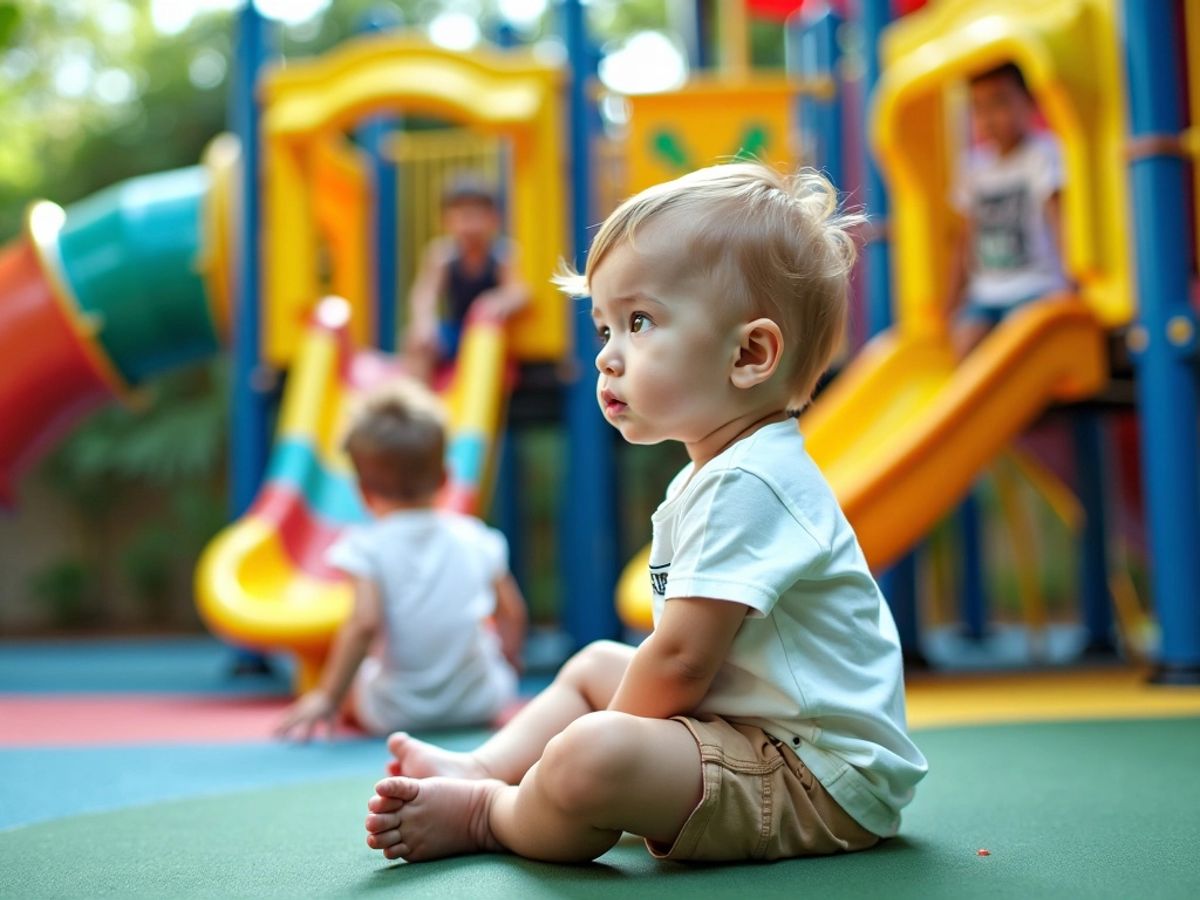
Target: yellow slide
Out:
[263,581]
[905,430]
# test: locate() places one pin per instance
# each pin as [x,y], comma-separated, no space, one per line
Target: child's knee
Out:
[593,661]
[582,767]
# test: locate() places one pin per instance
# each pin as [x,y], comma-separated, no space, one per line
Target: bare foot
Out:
[417,759]
[416,820]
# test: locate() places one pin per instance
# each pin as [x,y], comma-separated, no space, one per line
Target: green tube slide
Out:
[131,254]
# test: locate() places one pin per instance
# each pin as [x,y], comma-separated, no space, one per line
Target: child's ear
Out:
[370,500]
[759,351]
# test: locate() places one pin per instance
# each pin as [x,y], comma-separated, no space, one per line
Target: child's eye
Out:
[602,334]
[638,322]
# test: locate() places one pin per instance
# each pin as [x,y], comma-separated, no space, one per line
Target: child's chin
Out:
[634,435]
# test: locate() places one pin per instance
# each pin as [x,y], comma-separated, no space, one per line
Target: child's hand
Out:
[303,717]
[423,337]
[494,305]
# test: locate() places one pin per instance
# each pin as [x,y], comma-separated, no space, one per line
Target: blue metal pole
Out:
[972,596]
[587,535]
[691,24]
[250,397]
[385,215]
[813,52]
[1164,338]
[251,401]
[899,583]
[1093,551]
[507,507]
[878,253]
[506,38]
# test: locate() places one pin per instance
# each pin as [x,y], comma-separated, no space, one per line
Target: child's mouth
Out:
[612,406]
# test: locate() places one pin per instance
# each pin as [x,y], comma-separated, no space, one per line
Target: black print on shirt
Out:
[658,579]
[1000,228]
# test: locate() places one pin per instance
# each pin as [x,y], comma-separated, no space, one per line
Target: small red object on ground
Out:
[982,852]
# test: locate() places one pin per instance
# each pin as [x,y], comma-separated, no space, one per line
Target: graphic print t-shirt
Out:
[1013,255]
[816,662]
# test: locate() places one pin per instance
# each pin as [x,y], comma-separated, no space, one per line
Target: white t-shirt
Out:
[1014,255]
[816,663]
[438,664]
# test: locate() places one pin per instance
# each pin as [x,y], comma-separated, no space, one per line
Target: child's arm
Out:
[511,294]
[960,265]
[671,671]
[1054,222]
[423,296]
[350,647]
[511,618]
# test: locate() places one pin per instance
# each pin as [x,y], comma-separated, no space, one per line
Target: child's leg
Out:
[586,683]
[967,335]
[972,326]
[606,773]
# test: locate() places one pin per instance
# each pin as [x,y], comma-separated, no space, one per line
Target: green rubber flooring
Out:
[1082,809]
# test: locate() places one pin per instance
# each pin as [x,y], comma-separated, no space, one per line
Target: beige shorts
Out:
[759,802]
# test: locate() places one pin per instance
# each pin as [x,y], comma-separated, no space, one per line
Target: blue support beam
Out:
[249,431]
[385,206]
[971,592]
[1164,337]
[251,400]
[878,252]
[1088,434]
[899,583]
[587,537]
[508,508]
[692,25]
[813,52]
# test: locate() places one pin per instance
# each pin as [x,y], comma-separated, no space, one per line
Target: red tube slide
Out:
[47,380]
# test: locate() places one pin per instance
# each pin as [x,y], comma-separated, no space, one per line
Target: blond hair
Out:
[776,245]
[397,442]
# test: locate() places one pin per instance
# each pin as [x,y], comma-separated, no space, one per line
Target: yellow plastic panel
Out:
[1068,51]
[222,159]
[708,122]
[508,94]
[945,424]
[280,606]
[341,206]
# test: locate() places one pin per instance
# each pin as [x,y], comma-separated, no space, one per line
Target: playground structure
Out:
[263,583]
[901,434]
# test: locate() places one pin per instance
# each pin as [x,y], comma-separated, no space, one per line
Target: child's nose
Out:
[608,360]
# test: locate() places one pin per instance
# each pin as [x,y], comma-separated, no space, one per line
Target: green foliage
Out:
[148,564]
[170,456]
[64,587]
[91,94]
[177,438]
[10,17]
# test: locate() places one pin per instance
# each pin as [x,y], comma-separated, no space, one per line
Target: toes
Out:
[384,804]
[398,788]
[384,840]
[398,851]
[396,741]
[377,823]
[395,768]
